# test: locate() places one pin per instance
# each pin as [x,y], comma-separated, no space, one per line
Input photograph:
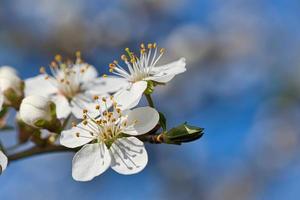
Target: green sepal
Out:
[41,123]
[183,133]
[150,88]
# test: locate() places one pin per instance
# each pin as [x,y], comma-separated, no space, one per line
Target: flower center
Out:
[66,76]
[109,126]
[140,67]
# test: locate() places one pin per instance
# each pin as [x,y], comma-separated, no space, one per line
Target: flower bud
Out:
[39,112]
[12,86]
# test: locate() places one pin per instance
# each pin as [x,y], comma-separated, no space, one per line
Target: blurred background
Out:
[242,85]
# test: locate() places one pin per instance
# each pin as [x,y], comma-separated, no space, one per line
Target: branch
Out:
[39,150]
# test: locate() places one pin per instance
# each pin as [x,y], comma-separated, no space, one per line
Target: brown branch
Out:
[38,150]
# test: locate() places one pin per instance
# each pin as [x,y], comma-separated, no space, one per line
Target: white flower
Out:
[3,162]
[105,144]
[11,85]
[71,86]
[37,110]
[142,69]
[1,99]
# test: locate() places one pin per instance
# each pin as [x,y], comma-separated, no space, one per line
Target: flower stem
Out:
[149,99]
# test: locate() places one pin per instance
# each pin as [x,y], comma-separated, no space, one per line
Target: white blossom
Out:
[3,161]
[36,109]
[142,69]
[71,86]
[104,143]
[11,85]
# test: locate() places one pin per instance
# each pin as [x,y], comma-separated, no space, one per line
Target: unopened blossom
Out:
[37,111]
[11,85]
[71,85]
[108,141]
[3,161]
[141,69]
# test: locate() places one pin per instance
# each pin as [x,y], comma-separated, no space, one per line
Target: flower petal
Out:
[63,108]
[1,99]
[104,85]
[86,101]
[38,85]
[91,161]
[130,97]
[167,72]
[129,156]
[77,136]
[144,119]
[3,161]
[89,73]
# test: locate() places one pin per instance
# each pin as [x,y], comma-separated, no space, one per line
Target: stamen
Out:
[42,70]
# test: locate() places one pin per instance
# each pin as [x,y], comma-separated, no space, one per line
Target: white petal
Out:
[89,74]
[63,108]
[1,99]
[130,97]
[91,161]
[166,72]
[38,85]
[104,85]
[144,120]
[129,156]
[3,161]
[86,101]
[77,136]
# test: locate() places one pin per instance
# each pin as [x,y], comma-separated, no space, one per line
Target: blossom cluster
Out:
[97,116]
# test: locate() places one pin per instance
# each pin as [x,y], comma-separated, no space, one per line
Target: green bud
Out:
[183,133]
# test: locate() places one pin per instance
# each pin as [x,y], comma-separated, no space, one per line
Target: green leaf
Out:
[162,121]
[183,133]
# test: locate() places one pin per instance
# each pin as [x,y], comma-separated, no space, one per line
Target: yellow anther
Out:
[111,70]
[84,110]
[150,46]
[142,46]
[154,45]
[112,65]
[97,107]
[118,110]
[42,70]
[74,124]
[124,57]
[77,134]
[84,116]
[115,62]
[103,99]
[53,64]
[96,97]
[78,54]
[58,58]
[162,50]
[82,70]
[85,122]
[104,75]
